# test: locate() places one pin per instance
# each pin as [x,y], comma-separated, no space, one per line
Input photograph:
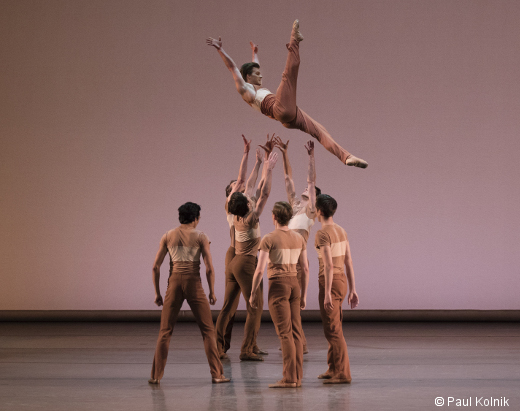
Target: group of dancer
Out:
[284,250]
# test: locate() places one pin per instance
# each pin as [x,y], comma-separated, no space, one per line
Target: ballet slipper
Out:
[356,162]
[337,381]
[283,384]
[223,356]
[220,380]
[325,376]
[295,33]
[153,381]
[250,357]
[258,351]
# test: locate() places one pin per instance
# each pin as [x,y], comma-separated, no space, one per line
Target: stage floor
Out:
[395,366]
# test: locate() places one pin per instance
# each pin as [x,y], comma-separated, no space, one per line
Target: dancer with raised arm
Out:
[284,248]
[333,253]
[281,106]
[232,298]
[304,207]
[186,244]
[246,214]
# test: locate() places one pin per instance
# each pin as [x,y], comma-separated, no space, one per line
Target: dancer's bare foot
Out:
[283,384]
[153,381]
[220,380]
[337,381]
[356,162]
[295,33]
[325,376]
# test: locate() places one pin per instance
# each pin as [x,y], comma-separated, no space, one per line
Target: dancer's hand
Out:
[247,144]
[271,161]
[158,300]
[353,299]
[259,158]
[303,303]
[212,298]
[269,144]
[210,41]
[310,147]
[252,301]
[280,144]
[254,47]
[328,302]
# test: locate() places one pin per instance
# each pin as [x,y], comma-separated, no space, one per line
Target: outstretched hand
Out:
[247,144]
[310,147]
[269,144]
[254,47]
[210,41]
[279,143]
[271,161]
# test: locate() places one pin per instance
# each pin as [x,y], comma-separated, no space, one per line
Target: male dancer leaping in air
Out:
[232,299]
[333,253]
[185,244]
[281,106]
[304,209]
[241,269]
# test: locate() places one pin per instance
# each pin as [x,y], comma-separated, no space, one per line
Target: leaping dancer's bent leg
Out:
[282,105]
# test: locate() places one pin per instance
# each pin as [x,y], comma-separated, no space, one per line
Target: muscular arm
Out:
[289,183]
[251,181]
[353,298]
[254,49]
[304,264]
[210,272]
[266,188]
[159,258]
[311,180]
[257,277]
[246,92]
[326,253]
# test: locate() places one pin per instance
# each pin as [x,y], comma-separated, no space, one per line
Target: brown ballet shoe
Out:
[283,384]
[250,357]
[220,380]
[153,381]
[223,356]
[295,33]
[337,381]
[258,351]
[325,376]
[356,162]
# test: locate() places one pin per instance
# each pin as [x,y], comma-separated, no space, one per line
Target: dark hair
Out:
[326,204]
[282,212]
[238,204]
[188,213]
[247,68]
[229,188]
[318,191]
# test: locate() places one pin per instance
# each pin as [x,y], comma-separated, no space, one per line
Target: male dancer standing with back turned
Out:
[304,210]
[186,244]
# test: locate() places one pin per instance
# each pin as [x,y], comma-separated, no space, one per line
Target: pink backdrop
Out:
[113,113]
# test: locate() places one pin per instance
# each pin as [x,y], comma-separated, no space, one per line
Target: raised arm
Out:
[251,181]
[268,148]
[254,49]
[311,179]
[266,188]
[210,272]
[353,298]
[289,183]
[304,263]
[159,258]
[247,93]
[239,184]
[257,276]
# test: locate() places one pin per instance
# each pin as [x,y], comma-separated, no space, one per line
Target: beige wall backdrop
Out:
[114,113]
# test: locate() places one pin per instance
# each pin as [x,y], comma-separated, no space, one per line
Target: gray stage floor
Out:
[395,366]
